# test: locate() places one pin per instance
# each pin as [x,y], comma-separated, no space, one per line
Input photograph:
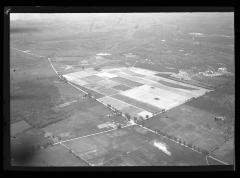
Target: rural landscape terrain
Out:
[122,89]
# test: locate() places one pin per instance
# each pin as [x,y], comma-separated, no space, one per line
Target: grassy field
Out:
[56,156]
[84,120]
[32,91]
[217,102]
[127,82]
[191,82]
[132,146]
[174,85]
[192,125]
[226,152]
[121,87]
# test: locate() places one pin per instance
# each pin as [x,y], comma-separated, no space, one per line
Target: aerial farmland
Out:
[96,90]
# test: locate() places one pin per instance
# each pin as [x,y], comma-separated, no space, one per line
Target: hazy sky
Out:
[126,19]
[78,16]
[62,16]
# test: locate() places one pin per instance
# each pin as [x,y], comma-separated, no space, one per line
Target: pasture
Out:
[133,146]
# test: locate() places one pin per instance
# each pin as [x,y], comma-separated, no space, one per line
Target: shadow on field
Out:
[34,102]
[24,30]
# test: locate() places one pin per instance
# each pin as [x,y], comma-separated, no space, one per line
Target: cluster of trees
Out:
[139,120]
[228,133]
[62,78]
[115,111]
[89,95]
[119,126]
[180,141]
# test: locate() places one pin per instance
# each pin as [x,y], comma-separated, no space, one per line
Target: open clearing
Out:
[19,127]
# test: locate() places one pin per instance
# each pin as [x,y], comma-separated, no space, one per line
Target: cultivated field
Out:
[136,87]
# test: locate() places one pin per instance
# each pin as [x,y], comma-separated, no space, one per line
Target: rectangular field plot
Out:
[94,86]
[143,71]
[156,97]
[101,89]
[137,103]
[76,75]
[124,161]
[57,155]
[78,81]
[121,87]
[125,81]
[114,71]
[106,75]
[109,91]
[92,92]
[123,106]
[189,82]
[19,127]
[92,79]
[181,90]
[101,148]
[83,122]
[107,83]
[172,128]
[133,147]
[183,84]
[192,125]
[185,93]
[226,152]
[114,102]
[132,110]
[155,156]
[129,72]
[174,85]
[156,123]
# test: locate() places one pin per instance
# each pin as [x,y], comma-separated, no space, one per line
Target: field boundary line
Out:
[126,153]
[27,52]
[85,136]
[49,59]
[76,87]
[123,102]
[218,160]
[72,152]
[207,161]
